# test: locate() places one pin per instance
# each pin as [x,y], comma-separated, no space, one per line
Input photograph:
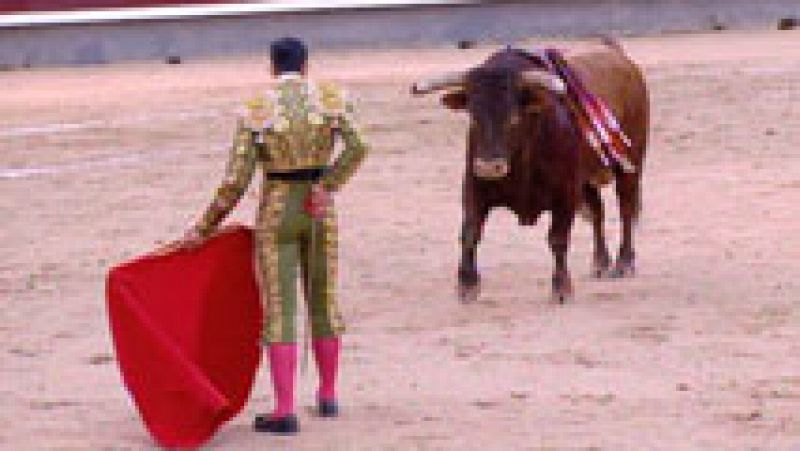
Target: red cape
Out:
[186,329]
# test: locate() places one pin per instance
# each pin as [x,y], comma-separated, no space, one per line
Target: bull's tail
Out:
[612,42]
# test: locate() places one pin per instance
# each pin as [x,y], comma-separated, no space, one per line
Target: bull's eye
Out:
[524,98]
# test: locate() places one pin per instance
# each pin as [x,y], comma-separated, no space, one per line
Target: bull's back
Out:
[612,76]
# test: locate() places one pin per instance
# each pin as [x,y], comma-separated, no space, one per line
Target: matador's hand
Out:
[191,240]
[318,202]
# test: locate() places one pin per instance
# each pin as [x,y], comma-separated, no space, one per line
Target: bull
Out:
[526,152]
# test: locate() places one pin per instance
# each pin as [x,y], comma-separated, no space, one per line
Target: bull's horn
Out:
[545,80]
[445,81]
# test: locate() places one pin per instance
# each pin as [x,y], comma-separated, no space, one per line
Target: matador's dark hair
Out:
[288,54]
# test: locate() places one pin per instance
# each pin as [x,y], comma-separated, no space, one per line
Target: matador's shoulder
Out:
[333,99]
[260,111]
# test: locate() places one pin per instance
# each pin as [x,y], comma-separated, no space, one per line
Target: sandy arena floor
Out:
[700,351]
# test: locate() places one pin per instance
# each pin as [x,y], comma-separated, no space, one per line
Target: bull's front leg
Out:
[558,239]
[471,234]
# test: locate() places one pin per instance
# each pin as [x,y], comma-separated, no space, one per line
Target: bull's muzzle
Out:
[495,168]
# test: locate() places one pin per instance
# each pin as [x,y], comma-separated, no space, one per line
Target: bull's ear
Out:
[455,100]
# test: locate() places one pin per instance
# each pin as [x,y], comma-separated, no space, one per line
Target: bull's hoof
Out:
[622,270]
[468,293]
[601,265]
[469,281]
[562,297]
[562,288]
[601,269]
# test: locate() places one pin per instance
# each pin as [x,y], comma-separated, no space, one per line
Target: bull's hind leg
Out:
[471,234]
[629,195]
[558,239]
[601,261]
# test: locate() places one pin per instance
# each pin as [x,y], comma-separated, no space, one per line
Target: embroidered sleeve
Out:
[238,173]
[336,105]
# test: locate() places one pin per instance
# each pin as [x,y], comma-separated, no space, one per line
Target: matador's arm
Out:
[352,155]
[238,174]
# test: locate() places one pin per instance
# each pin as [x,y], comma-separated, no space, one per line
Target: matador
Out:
[290,131]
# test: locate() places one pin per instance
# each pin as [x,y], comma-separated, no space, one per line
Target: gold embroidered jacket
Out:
[292,126]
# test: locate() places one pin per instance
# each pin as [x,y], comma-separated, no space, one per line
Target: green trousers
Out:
[289,243]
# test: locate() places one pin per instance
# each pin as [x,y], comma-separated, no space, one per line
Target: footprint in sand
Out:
[23,352]
[519,395]
[747,417]
[605,296]
[591,398]
[100,359]
[50,405]
[485,404]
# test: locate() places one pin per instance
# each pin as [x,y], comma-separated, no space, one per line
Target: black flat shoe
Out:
[287,425]
[328,409]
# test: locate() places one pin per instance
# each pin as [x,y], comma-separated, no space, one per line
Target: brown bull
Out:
[526,152]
